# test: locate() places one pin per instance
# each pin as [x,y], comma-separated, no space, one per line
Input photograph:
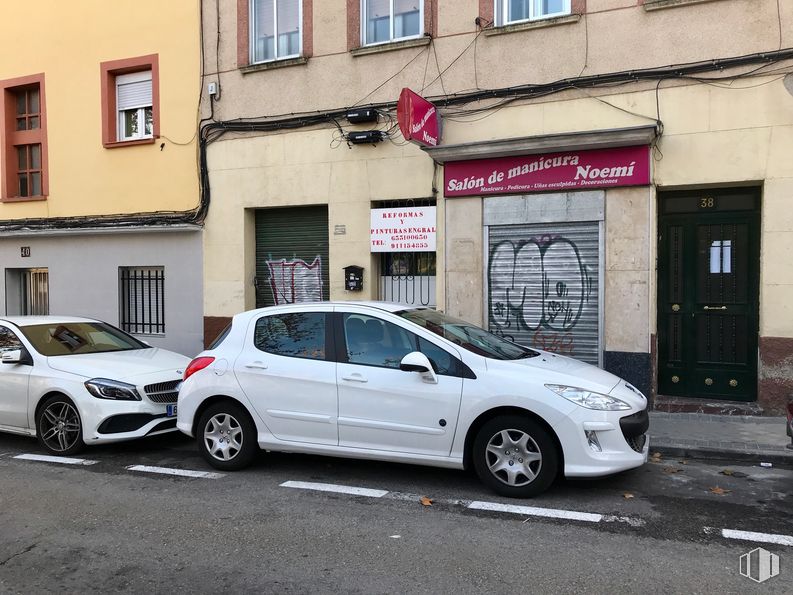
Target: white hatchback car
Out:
[381,381]
[76,381]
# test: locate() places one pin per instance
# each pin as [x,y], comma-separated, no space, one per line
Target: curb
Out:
[715,454]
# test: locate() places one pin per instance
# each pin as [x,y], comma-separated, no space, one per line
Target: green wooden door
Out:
[708,284]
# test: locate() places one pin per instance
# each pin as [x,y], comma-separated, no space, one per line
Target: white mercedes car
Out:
[380,381]
[77,381]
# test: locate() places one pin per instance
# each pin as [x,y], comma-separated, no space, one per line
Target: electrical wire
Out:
[390,78]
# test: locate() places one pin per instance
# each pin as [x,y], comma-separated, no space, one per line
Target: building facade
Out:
[99,195]
[612,179]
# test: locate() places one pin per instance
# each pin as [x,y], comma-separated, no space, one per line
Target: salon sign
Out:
[568,170]
[411,229]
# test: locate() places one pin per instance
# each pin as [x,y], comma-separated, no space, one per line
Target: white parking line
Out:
[179,472]
[553,513]
[752,536]
[51,459]
[330,487]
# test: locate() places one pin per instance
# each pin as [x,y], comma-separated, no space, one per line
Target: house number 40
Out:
[25,250]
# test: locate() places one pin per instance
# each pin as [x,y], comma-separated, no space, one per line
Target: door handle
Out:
[256,366]
[355,377]
[715,308]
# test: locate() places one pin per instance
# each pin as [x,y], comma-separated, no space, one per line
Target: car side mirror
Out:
[416,361]
[16,356]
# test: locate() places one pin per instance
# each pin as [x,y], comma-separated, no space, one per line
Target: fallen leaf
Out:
[426,501]
[719,491]
[656,457]
[727,472]
[683,462]
[672,470]
[627,495]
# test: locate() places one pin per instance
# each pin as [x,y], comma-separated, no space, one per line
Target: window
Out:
[375,342]
[391,20]
[275,29]
[8,340]
[23,132]
[292,335]
[142,297]
[130,101]
[515,11]
[134,105]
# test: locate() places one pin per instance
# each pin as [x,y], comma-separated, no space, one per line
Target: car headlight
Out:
[588,399]
[103,388]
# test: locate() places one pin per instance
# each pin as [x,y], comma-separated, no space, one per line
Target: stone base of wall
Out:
[775,378]
[213,325]
[634,367]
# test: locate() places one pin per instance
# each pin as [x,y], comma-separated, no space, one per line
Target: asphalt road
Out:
[103,527]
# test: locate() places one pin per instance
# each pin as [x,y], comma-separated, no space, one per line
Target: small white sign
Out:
[409,229]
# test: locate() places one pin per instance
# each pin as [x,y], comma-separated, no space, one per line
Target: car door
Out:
[14,379]
[286,370]
[380,406]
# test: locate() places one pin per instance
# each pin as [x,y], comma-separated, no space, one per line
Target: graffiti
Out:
[538,289]
[295,280]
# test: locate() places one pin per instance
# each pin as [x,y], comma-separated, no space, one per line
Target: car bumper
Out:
[116,421]
[598,443]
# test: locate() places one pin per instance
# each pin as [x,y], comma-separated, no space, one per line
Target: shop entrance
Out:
[708,288]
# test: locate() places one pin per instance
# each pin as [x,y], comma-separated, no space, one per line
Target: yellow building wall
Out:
[67,41]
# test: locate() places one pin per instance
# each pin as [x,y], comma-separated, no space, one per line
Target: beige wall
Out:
[300,168]
[615,35]
[67,44]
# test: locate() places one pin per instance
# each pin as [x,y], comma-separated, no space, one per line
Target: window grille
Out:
[142,293]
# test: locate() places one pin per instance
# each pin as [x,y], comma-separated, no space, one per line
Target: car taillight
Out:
[197,364]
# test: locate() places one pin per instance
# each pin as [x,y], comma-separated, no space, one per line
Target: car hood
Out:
[559,369]
[121,365]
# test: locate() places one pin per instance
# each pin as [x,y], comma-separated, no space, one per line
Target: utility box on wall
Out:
[353,278]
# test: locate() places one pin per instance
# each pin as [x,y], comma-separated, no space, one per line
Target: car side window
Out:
[8,340]
[442,361]
[299,334]
[375,342]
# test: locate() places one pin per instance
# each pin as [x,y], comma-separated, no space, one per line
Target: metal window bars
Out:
[142,295]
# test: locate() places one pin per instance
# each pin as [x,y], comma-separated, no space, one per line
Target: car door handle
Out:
[355,377]
[256,366]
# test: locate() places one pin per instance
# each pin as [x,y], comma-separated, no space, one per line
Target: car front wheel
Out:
[515,456]
[227,436]
[58,426]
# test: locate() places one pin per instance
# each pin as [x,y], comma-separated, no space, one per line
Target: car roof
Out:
[383,306]
[21,321]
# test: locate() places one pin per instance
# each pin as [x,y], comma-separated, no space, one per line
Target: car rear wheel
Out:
[227,436]
[515,456]
[58,426]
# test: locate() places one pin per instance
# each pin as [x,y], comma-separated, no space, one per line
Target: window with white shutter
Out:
[134,105]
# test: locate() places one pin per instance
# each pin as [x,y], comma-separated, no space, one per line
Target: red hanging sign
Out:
[418,119]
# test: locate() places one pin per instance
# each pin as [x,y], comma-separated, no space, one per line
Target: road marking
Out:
[752,536]
[533,511]
[330,487]
[52,459]
[179,472]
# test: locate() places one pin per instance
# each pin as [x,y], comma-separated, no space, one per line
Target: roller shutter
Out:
[543,284]
[291,255]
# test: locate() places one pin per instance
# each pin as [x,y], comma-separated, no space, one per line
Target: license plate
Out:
[170,410]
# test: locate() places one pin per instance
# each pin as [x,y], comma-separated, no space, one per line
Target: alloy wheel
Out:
[60,426]
[223,437]
[513,457]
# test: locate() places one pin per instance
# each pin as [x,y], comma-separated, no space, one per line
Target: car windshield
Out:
[77,338]
[467,335]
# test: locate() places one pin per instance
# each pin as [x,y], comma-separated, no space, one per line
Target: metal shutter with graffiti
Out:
[291,255]
[542,286]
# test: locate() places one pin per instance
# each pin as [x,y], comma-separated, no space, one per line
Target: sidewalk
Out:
[723,437]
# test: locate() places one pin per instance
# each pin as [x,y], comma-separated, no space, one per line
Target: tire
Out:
[226,436]
[59,428]
[515,456]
